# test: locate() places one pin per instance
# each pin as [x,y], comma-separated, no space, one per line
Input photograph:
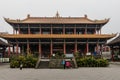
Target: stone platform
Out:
[110,73]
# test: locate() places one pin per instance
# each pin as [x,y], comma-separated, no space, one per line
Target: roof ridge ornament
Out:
[85,15]
[28,16]
[57,14]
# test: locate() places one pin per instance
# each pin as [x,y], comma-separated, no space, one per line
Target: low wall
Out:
[4,59]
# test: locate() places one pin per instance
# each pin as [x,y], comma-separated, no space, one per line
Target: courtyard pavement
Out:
[110,73]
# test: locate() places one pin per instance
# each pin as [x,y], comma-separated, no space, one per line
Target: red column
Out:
[8,51]
[85,31]
[95,31]
[18,30]
[51,29]
[29,30]
[17,48]
[75,30]
[63,29]
[64,46]
[20,49]
[100,31]
[87,47]
[97,47]
[51,48]
[39,49]
[13,49]
[28,48]
[40,31]
[112,54]
[75,47]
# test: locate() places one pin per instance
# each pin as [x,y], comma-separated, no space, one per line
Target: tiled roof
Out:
[115,41]
[2,43]
[58,20]
[106,36]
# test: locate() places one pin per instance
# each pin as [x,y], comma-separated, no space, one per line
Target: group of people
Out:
[66,64]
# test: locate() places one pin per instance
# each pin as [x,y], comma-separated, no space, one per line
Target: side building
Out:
[3,51]
[115,48]
[47,35]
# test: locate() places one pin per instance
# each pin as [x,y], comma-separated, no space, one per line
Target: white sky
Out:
[95,9]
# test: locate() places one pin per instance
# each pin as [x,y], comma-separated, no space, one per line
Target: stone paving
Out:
[110,73]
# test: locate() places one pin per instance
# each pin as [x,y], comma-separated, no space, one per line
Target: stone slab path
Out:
[110,73]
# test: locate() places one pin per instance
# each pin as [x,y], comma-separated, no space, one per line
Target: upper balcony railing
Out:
[57,31]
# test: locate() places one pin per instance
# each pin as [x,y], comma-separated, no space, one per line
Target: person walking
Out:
[21,66]
[63,62]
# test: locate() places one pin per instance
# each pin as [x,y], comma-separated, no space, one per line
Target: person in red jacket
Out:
[68,64]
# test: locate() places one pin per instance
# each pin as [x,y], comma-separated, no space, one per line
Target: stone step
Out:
[43,64]
[53,63]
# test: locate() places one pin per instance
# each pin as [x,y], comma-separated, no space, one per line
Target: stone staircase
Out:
[75,63]
[42,64]
[54,63]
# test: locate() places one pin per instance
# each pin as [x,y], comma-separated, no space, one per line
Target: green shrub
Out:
[14,64]
[27,61]
[13,57]
[92,62]
[21,59]
[102,62]
[30,62]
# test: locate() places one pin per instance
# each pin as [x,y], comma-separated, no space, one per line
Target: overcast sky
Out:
[95,9]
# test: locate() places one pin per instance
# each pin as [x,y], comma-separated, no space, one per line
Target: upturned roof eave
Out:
[115,41]
[34,22]
[56,36]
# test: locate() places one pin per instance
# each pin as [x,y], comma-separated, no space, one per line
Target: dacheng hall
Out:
[45,36]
